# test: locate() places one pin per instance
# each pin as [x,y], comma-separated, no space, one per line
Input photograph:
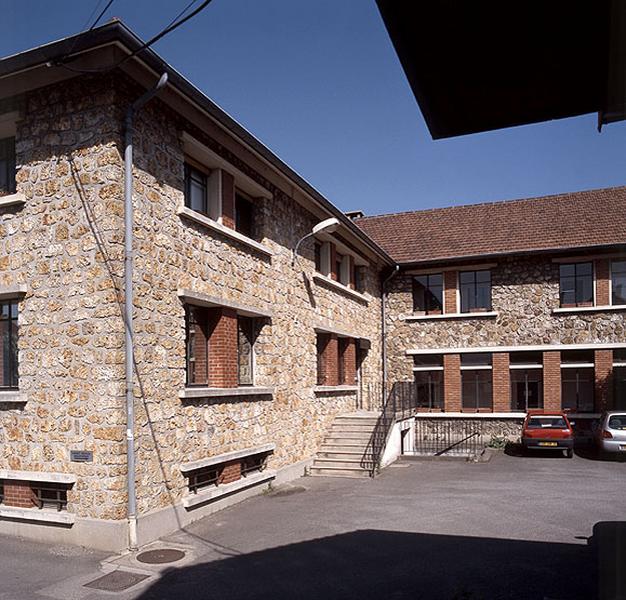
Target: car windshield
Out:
[549,422]
[617,422]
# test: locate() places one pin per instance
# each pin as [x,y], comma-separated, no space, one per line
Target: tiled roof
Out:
[573,220]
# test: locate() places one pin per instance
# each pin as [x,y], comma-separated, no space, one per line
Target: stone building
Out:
[243,352]
[240,351]
[503,307]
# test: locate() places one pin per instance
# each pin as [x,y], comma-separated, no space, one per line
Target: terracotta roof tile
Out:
[572,220]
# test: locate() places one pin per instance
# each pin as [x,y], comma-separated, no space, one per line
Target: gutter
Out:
[128,305]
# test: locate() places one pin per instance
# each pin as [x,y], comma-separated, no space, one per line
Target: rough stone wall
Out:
[65,243]
[524,292]
[176,253]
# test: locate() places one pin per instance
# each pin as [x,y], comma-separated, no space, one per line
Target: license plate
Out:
[551,444]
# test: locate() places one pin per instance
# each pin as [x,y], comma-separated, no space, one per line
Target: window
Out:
[337,359]
[428,294]
[8,345]
[618,282]
[359,278]
[244,215]
[318,257]
[476,382]
[338,268]
[537,422]
[526,380]
[576,284]
[255,463]
[245,354]
[428,381]
[475,291]
[7,166]
[196,189]
[577,380]
[50,495]
[211,345]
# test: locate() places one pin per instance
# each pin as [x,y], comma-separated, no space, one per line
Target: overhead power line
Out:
[177,22]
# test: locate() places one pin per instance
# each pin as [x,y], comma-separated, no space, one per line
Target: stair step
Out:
[356,421]
[344,463]
[338,472]
[342,454]
[351,428]
[352,435]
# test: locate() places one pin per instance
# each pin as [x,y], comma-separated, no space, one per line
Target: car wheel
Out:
[569,453]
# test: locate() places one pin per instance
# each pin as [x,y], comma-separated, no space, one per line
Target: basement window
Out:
[203,478]
[50,495]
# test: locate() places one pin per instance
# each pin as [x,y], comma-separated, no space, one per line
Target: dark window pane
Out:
[428,360]
[429,389]
[8,345]
[584,289]
[7,165]
[476,359]
[577,388]
[577,356]
[475,289]
[576,284]
[618,282]
[197,348]
[419,294]
[483,276]
[195,189]
[619,355]
[476,389]
[526,389]
[244,216]
[568,270]
[428,293]
[619,388]
[584,269]
[526,358]
[359,282]
[467,277]
[318,257]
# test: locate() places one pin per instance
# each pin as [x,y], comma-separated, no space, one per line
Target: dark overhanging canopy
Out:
[479,65]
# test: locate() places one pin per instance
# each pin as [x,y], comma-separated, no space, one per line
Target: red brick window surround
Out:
[337,360]
[33,494]
[219,347]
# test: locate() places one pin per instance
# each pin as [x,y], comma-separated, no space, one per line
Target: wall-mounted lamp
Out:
[328,226]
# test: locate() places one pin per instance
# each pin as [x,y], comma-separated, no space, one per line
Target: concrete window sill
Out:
[213,392]
[322,279]
[214,493]
[45,476]
[12,397]
[587,309]
[227,456]
[12,200]
[193,215]
[472,415]
[336,389]
[35,514]
[469,315]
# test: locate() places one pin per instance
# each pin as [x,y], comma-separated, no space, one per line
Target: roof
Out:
[478,66]
[577,220]
[103,46]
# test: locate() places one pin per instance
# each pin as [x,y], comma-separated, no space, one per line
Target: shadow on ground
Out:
[391,565]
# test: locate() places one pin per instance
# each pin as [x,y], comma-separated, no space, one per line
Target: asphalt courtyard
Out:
[515,527]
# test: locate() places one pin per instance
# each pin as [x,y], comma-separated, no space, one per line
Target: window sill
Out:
[214,493]
[319,278]
[336,389]
[12,397]
[227,456]
[12,200]
[584,309]
[473,415]
[225,231]
[46,477]
[213,392]
[36,514]
[469,315]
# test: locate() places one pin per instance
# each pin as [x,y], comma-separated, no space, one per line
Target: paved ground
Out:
[511,528]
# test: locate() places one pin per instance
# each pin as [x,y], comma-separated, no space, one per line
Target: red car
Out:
[547,430]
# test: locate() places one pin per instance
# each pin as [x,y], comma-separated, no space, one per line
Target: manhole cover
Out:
[159,557]
[117,581]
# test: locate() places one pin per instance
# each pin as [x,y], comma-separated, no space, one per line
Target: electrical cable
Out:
[171,27]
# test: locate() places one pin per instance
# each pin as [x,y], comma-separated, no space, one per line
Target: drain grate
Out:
[160,557]
[116,581]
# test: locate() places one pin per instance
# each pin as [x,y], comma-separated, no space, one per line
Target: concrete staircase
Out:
[343,452]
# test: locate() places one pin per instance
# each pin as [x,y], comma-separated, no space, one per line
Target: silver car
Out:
[610,433]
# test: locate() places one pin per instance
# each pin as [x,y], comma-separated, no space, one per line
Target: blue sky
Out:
[320,84]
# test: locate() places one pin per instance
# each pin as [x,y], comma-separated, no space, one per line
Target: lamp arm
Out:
[295,250]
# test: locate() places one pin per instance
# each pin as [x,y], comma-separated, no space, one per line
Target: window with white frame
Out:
[577,380]
[618,282]
[428,381]
[476,381]
[8,345]
[202,190]
[619,379]
[428,294]
[475,291]
[526,373]
[576,284]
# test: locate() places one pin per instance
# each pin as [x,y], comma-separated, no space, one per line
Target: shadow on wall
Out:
[385,565]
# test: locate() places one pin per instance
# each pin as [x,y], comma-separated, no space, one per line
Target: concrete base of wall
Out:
[112,536]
